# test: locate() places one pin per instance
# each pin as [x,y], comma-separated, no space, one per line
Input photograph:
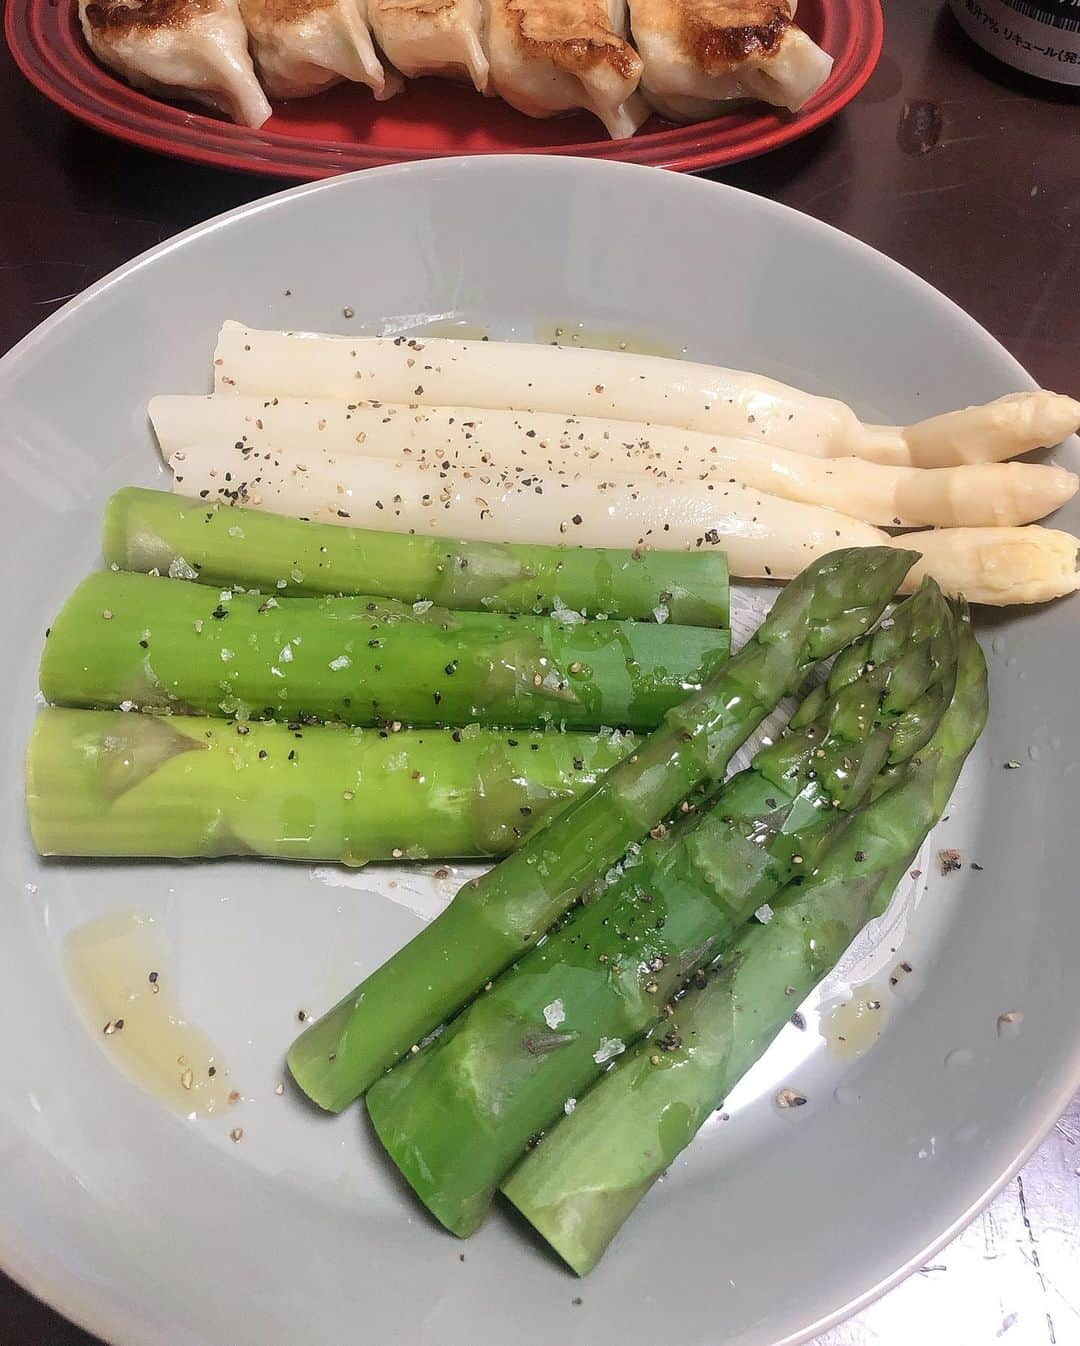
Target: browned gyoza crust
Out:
[115,19]
[718,35]
[288,11]
[574,34]
[427,8]
[112,18]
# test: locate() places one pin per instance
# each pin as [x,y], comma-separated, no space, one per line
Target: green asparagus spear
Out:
[456,1117]
[161,645]
[107,783]
[580,1185]
[153,530]
[497,918]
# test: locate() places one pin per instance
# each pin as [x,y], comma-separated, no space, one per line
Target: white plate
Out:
[148,1227]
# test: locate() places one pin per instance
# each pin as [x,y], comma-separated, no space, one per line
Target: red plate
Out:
[345,128]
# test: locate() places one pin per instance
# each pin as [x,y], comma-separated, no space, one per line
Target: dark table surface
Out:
[964,171]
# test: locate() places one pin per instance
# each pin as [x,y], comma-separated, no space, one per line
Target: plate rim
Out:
[46,1276]
[152,124]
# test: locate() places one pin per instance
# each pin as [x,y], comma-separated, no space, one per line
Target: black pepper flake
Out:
[860,856]
[436,697]
[263,754]
[144,644]
[451,668]
[976,867]
[292,754]
[219,612]
[576,519]
[212,1071]
[949,861]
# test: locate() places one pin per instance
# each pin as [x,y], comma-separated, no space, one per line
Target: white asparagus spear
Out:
[984,493]
[997,566]
[763,536]
[434,371]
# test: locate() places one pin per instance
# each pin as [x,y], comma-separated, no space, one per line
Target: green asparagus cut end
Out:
[106,783]
[135,640]
[219,545]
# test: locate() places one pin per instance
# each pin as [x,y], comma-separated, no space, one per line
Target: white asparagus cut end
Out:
[439,371]
[998,566]
[763,536]
[990,493]
[516,376]
[1005,428]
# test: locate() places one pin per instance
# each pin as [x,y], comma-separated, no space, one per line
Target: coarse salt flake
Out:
[342,661]
[180,570]
[568,616]
[554,1014]
[608,1048]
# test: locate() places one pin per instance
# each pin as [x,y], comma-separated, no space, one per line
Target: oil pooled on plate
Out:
[853,1026]
[566,333]
[115,969]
